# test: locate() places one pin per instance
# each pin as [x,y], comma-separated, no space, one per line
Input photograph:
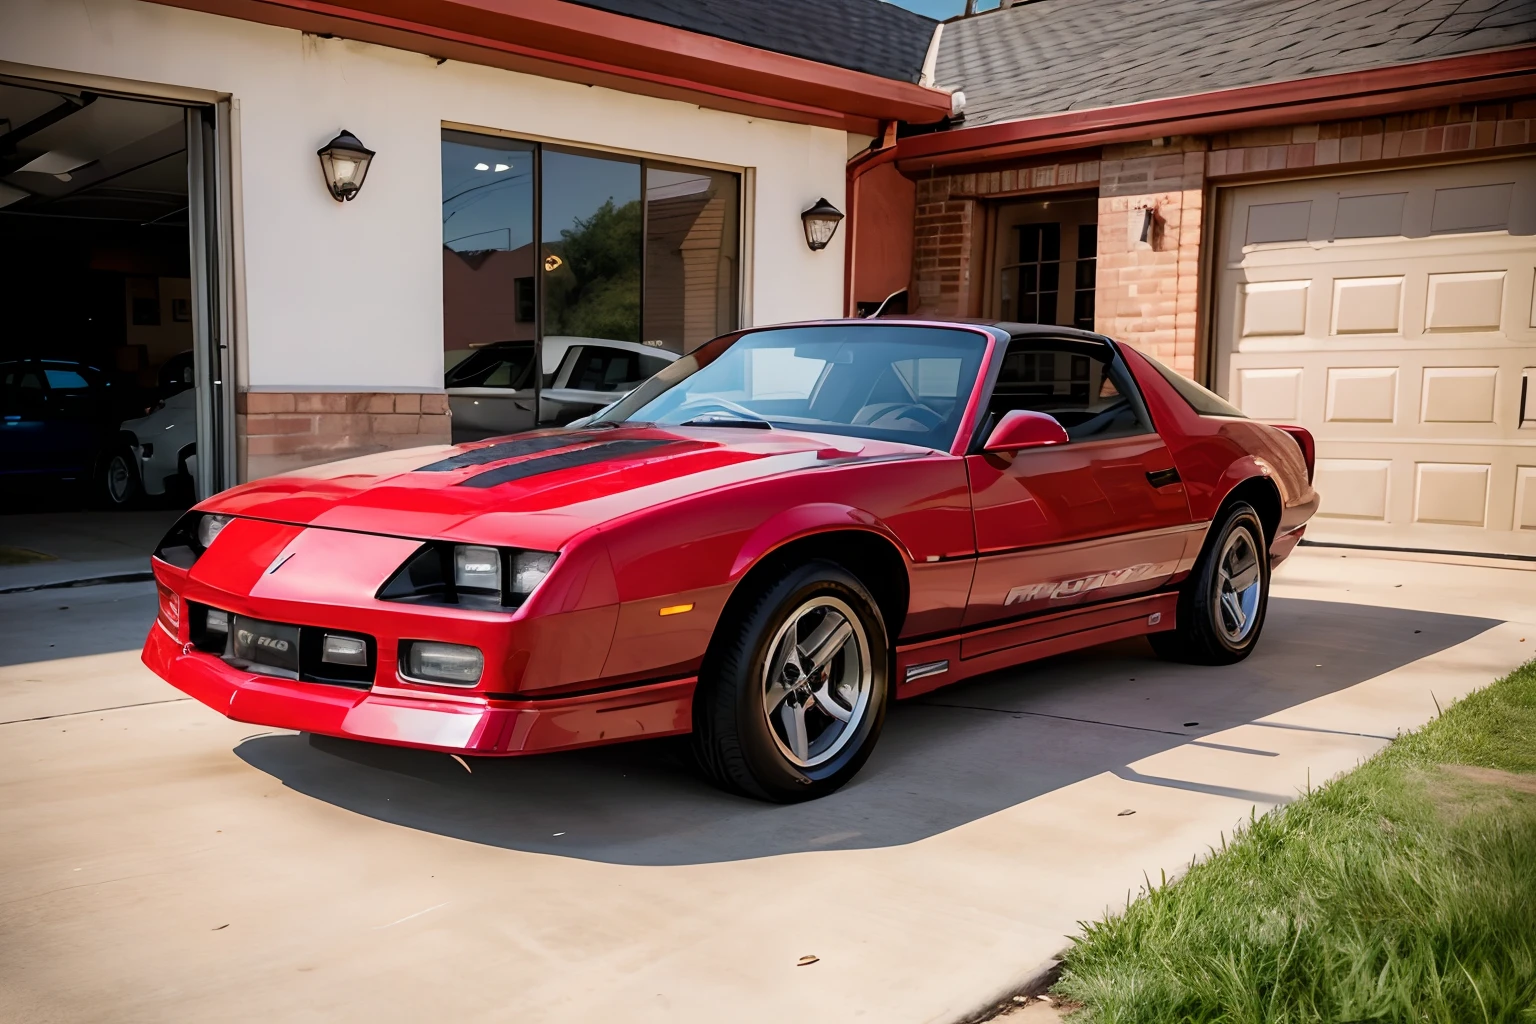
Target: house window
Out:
[1031,283]
[1085,276]
[546,246]
[1043,260]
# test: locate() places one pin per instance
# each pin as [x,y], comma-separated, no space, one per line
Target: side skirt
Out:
[930,664]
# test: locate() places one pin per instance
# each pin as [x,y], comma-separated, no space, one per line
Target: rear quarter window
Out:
[1203,400]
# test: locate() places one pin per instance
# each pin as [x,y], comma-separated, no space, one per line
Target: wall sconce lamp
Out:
[1144,228]
[344,162]
[821,223]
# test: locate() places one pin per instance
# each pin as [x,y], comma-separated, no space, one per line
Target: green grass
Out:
[1404,890]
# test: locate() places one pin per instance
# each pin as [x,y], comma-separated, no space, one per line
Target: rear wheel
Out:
[1222,604]
[793,693]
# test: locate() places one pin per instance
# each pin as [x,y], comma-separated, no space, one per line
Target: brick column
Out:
[279,431]
[1149,298]
[941,250]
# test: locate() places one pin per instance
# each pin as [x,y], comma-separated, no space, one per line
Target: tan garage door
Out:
[1393,315]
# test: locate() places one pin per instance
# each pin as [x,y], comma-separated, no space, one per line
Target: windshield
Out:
[881,381]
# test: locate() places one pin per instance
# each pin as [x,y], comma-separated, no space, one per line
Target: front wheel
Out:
[793,693]
[1222,604]
[119,486]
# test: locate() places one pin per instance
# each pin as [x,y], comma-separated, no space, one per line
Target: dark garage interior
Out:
[95,281]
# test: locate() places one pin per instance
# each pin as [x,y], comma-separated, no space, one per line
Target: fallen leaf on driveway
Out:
[220,927]
[1125,812]
[807,960]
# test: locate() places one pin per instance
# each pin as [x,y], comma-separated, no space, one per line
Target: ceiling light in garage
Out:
[821,223]
[344,161]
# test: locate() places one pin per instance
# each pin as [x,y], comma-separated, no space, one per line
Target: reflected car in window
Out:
[491,391]
[761,546]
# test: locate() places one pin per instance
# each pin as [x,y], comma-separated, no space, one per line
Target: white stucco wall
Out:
[349,297]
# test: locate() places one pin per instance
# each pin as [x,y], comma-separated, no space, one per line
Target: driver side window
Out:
[1079,383]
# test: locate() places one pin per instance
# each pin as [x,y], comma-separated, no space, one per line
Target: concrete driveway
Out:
[158,862]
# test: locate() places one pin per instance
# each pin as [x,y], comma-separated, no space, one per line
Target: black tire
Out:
[1211,631]
[734,743]
[117,480]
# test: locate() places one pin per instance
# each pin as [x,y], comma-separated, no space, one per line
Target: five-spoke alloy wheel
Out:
[793,692]
[1222,604]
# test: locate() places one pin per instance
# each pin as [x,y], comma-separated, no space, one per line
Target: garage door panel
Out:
[1365,394]
[1368,305]
[1451,493]
[1399,330]
[1465,302]
[1458,394]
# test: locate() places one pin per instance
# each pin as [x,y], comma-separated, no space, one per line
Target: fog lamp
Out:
[344,650]
[216,621]
[453,664]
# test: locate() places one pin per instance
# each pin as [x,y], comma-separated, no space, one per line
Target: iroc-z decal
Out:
[1057,589]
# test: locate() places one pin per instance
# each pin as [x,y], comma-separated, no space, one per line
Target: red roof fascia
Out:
[1477,78]
[562,40]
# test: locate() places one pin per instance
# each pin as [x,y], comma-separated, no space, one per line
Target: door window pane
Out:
[1078,383]
[591,223]
[487,242]
[691,226]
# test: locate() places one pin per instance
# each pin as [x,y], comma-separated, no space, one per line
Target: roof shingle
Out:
[1051,56]
[861,35]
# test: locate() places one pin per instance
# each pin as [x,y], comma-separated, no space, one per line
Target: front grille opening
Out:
[266,650]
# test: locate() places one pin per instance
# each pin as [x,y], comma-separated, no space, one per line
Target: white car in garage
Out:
[492,390]
[157,451]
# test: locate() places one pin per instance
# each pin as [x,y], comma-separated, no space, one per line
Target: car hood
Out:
[537,489]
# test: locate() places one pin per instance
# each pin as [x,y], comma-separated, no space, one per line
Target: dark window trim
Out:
[1116,362]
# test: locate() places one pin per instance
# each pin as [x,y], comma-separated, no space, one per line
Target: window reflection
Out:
[691,220]
[570,277]
[591,223]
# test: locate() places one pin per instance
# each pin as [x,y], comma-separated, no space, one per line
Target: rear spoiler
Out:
[1303,438]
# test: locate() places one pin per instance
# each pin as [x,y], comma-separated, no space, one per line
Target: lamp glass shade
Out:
[821,223]
[344,161]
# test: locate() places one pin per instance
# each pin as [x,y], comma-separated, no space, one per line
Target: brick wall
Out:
[946,259]
[1150,298]
[279,431]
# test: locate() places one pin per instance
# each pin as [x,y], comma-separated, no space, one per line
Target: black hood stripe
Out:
[592,453]
[507,450]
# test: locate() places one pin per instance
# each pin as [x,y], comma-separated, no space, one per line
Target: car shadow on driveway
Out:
[946,759]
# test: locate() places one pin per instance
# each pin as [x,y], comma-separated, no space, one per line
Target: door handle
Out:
[1163,477]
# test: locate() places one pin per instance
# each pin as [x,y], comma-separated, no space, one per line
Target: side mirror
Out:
[1024,428]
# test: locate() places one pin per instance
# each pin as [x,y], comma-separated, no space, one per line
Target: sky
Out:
[940,9]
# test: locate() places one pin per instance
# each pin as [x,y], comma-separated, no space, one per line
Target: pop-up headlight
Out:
[209,527]
[528,570]
[186,541]
[469,575]
[477,568]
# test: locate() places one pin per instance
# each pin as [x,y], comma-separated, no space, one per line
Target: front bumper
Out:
[457,723]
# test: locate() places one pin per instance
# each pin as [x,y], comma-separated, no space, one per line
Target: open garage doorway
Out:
[110,362]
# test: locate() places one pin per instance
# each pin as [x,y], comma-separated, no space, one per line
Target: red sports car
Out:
[762,546]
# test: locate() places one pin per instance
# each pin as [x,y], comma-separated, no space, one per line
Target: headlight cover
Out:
[468,575]
[185,542]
